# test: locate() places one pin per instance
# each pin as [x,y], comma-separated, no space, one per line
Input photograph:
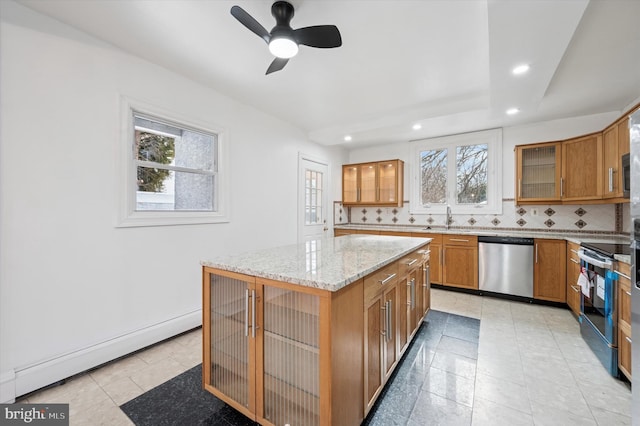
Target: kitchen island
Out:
[308,334]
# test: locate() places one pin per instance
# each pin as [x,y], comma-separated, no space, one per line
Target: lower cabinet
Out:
[435,262]
[623,271]
[283,354]
[460,261]
[573,272]
[550,270]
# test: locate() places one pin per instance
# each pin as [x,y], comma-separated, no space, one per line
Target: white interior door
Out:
[313,188]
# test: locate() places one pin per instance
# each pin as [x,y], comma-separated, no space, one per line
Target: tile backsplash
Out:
[589,218]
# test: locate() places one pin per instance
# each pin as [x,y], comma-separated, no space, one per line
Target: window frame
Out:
[128,216]
[493,139]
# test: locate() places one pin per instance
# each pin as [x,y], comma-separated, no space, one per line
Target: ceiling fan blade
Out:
[277,65]
[248,21]
[324,36]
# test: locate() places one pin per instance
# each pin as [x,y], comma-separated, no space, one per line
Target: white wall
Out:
[75,290]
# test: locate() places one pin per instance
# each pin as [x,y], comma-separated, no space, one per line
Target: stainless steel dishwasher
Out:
[505,265]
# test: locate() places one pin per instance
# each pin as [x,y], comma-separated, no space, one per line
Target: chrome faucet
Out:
[449,219]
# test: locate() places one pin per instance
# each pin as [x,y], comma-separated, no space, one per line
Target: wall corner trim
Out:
[7,387]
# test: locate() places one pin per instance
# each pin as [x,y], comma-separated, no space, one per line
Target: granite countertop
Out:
[573,237]
[326,263]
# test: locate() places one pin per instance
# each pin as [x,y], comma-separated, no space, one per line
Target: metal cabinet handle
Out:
[427,279]
[574,251]
[386,280]
[253,313]
[458,239]
[389,327]
[610,179]
[575,288]
[384,332]
[246,313]
[412,262]
[628,293]
[519,188]
[622,275]
[573,260]
[561,187]
[441,256]
[628,339]
[536,253]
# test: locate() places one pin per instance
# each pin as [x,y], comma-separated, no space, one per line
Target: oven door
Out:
[598,305]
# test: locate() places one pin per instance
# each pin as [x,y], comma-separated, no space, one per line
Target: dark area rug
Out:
[182,401]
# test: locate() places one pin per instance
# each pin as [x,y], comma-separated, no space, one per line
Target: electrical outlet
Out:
[534,212]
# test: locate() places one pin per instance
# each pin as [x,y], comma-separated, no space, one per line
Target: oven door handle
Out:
[595,262]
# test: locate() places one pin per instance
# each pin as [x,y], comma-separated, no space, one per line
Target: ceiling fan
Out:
[283,40]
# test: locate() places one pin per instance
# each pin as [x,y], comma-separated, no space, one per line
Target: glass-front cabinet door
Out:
[350,184]
[230,335]
[539,172]
[368,187]
[388,178]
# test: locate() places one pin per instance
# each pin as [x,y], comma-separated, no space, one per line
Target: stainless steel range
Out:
[598,315]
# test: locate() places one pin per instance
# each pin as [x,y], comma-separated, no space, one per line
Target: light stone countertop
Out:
[326,263]
[573,237]
[624,258]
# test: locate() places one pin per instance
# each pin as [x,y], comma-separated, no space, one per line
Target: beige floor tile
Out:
[502,392]
[105,413]
[118,370]
[501,366]
[547,416]
[122,390]
[607,418]
[157,373]
[554,395]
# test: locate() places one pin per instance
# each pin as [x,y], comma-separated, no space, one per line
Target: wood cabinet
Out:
[582,168]
[435,257]
[381,305]
[550,270]
[373,184]
[460,261]
[615,142]
[623,271]
[567,171]
[281,353]
[538,172]
[573,272]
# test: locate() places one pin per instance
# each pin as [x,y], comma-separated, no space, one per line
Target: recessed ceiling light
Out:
[512,111]
[520,69]
[417,126]
[347,138]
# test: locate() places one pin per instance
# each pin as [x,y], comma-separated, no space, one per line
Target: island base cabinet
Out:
[283,354]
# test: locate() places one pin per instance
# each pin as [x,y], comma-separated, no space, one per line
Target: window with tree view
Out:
[459,171]
[176,167]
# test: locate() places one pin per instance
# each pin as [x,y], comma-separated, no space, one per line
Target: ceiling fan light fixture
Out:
[283,47]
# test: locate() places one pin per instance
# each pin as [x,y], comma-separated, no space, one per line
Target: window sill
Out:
[156,218]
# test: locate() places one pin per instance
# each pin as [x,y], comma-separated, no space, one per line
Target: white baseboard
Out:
[37,376]
[7,387]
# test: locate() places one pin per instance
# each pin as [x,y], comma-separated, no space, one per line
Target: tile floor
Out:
[522,364]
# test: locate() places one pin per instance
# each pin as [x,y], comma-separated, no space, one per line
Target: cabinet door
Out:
[368,183]
[573,272]
[373,360]
[538,172]
[623,137]
[611,159]
[402,323]
[412,302]
[290,341]
[230,339]
[426,288]
[549,270]
[460,266]
[582,168]
[435,263]
[350,184]
[389,185]
[391,306]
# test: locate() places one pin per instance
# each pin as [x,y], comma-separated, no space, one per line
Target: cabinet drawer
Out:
[377,282]
[624,298]
[436,238]
[409,262]
[460,240]
[625,350]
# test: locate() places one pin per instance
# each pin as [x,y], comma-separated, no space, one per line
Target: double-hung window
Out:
[173,171]
[460,171]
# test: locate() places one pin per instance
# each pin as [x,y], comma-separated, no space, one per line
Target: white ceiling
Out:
[445,64]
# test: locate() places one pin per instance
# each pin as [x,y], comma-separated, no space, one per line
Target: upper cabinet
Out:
[615,141]
[538,172]
[569,171]
[373,184]
[582,168]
